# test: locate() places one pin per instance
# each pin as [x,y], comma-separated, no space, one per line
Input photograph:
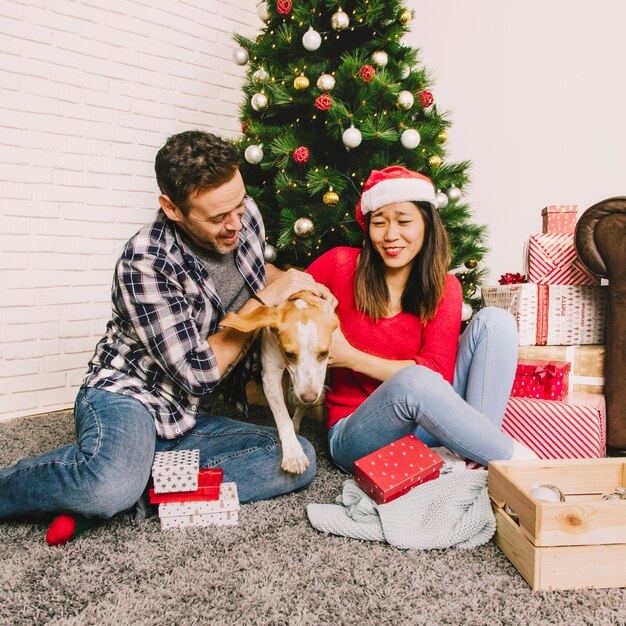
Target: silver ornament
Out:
[311,40]
[326,82]
[442,200]
[405,70]
[259,102]
[270,253]
[303,227]
[547,493]
[405,100]
[240,56]
[340,20]
[454,193]
[380,58]
[410,138]
[352,137]
[253,154]
[260,76]
[466,311]
[262,12]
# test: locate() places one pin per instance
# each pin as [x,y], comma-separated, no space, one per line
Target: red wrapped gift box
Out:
[209,481]
[548,380]
[573,429]
[559,218]
[391,471]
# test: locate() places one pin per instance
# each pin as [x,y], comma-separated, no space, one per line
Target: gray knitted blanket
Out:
[450,511]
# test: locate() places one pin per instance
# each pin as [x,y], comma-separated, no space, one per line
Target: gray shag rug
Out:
[273,568]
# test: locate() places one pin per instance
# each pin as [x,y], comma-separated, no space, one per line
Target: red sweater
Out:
[400,337]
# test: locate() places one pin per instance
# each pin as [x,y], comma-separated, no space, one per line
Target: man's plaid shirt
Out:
[165,306]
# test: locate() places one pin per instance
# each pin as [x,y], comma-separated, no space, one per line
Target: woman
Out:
[396,367]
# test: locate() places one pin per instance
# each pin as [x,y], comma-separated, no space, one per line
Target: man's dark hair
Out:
[193,160]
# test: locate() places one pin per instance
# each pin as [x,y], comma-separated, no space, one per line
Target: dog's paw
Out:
[294,459]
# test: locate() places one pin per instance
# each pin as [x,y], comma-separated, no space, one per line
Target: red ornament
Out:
[283,6]
[512,279]
[244,126]
[426,98]
[366,73]
[324,102]
[301,154]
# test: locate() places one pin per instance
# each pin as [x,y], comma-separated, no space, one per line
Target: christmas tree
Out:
[331,93]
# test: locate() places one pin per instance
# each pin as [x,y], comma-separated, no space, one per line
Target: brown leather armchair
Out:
[601,245]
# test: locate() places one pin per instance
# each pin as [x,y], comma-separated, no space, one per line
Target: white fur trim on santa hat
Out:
[397,190]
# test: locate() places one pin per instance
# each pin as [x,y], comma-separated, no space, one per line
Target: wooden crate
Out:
[576,544]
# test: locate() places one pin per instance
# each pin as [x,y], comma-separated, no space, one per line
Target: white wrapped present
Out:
[176,470]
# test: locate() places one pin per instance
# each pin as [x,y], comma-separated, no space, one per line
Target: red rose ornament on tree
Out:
[425,98]
[283,6]
[323,103]
[366,73]
[301,154]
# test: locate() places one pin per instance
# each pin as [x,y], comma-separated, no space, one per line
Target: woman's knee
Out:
[416,379]
[496,319]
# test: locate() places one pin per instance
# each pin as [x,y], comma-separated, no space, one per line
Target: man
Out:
[163,358]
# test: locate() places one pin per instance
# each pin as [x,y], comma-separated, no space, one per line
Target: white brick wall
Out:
[89,90]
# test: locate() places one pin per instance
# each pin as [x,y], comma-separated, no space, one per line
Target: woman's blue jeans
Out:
[108,468]
[464,417]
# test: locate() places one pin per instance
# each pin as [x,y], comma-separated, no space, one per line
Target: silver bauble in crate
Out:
[340,20]
[311,40]
[270,253]
[454,193]
[260,76]
[303,227]
[466,311]
[326,82]
[259,102]
[352,137]
[380,58]
[410,138]
[442,200]
[240,56]
[253,154]
[405,100]
[263,12]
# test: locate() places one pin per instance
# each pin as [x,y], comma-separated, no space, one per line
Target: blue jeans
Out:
[108,468]
[464,417]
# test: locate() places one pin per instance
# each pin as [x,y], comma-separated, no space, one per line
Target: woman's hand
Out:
[341,352]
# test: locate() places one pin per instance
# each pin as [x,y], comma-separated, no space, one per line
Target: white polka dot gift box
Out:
[176,471]
[391,471]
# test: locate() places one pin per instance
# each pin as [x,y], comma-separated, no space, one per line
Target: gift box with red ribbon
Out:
[541,379]
[396,468]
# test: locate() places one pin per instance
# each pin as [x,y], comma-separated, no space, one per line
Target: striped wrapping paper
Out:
[573,429]
[552,260]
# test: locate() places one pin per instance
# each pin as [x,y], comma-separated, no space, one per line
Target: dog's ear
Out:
[261,317]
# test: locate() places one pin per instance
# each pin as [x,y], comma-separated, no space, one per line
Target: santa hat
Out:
[391,185]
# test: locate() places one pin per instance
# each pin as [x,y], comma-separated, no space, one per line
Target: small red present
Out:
[209,481]
[546,380]
[391,471]
[559,218]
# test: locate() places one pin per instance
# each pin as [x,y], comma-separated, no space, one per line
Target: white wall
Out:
[88,92]
[90,89]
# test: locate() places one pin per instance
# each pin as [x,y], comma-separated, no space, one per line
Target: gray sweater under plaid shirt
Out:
[165,305]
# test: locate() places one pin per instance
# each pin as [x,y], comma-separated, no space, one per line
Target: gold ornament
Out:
[471,264]
[301,82]
[435,161]
[331,198]
[442,136]
[405,17]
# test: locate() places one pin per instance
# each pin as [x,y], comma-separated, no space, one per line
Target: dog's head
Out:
[303,326]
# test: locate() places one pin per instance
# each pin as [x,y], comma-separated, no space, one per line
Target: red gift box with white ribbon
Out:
[396,468]
[547,380]
[573,429]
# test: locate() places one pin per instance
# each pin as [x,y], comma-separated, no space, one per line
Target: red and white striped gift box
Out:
[552,260]
[572,429]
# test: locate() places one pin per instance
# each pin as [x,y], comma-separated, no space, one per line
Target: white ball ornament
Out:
[410,138]
[303,227]
[405,100]
[326,82]
[270,253]
[253,154]
[454,193]
[263,12]
[442,200]
[466,311]
[340,20]
[380,58]
[311,40]
[259,102]
[260,76]
[547,493]
[405,70]
[240,56]
[352,137]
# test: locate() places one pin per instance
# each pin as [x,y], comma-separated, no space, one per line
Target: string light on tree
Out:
[410,138]
[326,82]
[454,193]
[240,56]
[311,40]
[380,58]
[340,20]
[352,137]
[405,100]
[259,101]
[303,227]
[253,154]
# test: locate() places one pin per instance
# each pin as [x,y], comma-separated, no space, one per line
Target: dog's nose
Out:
[308,397]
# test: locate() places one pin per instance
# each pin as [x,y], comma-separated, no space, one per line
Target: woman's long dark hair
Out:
[427,280]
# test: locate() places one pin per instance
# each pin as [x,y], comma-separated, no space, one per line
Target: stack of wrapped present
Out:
[189,496]
[557,404]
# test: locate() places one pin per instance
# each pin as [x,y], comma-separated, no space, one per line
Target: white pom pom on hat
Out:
[390,185]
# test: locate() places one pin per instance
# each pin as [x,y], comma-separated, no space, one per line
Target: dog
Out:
[296,336]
